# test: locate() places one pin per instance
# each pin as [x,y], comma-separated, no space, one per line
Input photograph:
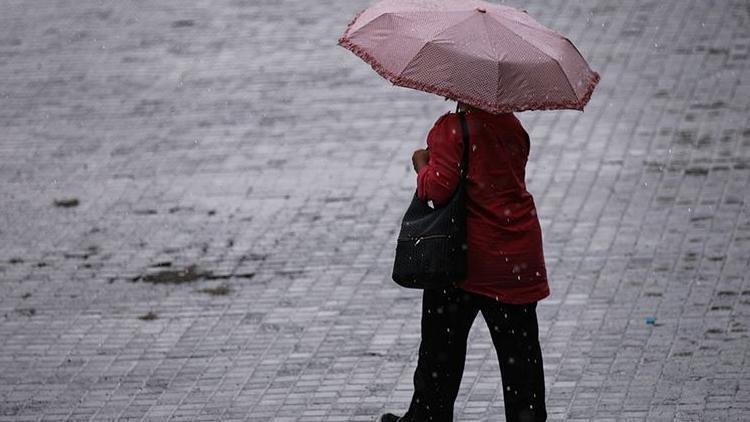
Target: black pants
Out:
[447,316]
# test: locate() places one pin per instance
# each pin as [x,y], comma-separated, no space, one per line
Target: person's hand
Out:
[420,158]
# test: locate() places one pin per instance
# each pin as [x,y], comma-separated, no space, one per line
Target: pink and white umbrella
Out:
[493,57]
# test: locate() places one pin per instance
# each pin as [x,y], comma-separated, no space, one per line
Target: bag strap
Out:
[465,135]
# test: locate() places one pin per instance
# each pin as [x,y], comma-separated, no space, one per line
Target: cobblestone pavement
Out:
[199,205]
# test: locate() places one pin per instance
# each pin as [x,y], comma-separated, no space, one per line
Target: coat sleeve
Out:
[439,178]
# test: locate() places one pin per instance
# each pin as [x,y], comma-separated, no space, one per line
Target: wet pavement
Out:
[200,206]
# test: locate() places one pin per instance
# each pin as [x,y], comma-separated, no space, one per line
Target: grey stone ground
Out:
[237,137]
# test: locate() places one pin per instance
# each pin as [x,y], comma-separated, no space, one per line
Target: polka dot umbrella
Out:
[490,56]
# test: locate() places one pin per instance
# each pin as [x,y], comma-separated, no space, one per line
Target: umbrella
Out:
[493,57]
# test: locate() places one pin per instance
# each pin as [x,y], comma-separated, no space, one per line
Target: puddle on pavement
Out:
[189,274]
[66,202]
[177,276]
[178,209]
[150,316]
[222,290]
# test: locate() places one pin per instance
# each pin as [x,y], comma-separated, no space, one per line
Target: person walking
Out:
[494,60]
[506,272]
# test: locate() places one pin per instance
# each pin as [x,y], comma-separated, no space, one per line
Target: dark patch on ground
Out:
[15,261]
[721,308]
[685,137]
[709,106]
[704,141]
[66,202]
[185,275]
[222,290]
[228,276]
[654,166]
[26,295]
[183,23]
[276,163]
[254,257]
[178,209]
[145,212]
[253,317]
[11,409]
[290,273]
[218,276]
[696,171]
[150,316]
[338,199]
[732,200]
[89,252]
[28,312]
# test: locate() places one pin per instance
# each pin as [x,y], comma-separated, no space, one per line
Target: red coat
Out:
[505,258]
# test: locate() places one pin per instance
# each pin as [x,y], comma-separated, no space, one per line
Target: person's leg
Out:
[447,316]
[515,334]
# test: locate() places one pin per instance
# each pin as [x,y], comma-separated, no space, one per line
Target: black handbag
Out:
[431,246]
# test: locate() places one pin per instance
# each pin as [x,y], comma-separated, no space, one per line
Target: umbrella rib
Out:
[429,41]
[557,62]
[489,41]
[575,95]
[451,26]
[535,28]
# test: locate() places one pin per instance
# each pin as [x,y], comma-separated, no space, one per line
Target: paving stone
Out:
[234,143]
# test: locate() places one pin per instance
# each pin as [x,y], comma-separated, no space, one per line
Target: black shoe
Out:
[389,417]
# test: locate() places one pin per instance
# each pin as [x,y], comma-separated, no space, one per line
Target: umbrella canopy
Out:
[493,57]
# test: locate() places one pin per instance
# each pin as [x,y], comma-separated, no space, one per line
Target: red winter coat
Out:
[505,258]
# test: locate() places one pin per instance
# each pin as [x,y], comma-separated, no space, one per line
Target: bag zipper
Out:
[421,238]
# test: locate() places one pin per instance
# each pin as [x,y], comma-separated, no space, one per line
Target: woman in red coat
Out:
[506,272]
